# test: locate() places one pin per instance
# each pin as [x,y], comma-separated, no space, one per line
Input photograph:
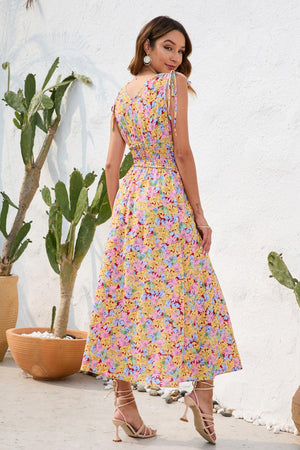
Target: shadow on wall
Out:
[43,47]
[24,308]
[58,162]
[32,53]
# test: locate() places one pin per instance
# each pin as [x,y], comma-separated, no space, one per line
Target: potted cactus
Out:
[27,105]
[50,358]
[280,271]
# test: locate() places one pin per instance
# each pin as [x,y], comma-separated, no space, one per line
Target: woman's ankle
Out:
[122,387]
[205,384]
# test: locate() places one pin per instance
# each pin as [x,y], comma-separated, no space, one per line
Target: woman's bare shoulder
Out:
[180,76]
[182,82]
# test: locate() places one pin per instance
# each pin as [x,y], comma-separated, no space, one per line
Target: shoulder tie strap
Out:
[113,116]
[172,92]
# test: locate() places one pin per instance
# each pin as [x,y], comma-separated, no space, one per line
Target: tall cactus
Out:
[27,119]
[280,271]
[66,257]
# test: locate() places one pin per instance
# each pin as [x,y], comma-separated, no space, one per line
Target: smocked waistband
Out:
[154,166]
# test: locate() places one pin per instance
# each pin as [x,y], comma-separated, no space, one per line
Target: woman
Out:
[159,316]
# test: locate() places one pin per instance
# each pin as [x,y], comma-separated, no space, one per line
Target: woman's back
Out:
[144,121]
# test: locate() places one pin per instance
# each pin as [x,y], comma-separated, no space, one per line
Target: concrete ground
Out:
[74,414]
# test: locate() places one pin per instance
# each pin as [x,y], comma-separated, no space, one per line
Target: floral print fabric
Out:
[159,315]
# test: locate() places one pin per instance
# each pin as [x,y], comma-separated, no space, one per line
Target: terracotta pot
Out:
[8,308]
[45,358]
[296,409]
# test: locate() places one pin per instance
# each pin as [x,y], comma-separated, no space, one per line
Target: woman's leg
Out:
[203,396]
[126,408]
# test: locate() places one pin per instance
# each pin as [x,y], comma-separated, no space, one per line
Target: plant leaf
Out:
[84,239]
[21,234]
[18,125]
[126,164]
[57,85]
[39,122]
[62,200]
[6,197]
[53,318]
[83,78]
[76,184]
[3,217]
[94,209]
[47,113]
[14,100]
[104,212]
[27,140]
[50,73]
[89,179]
[81,205]
[20,251]
[30,88]
[279,270]
[35,104]
[55,226]
[19,116]
[46,102]
[51,251]
[46,195]
[59,93]
[297,292]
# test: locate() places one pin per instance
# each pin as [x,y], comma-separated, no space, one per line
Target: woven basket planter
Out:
[8,308]
[46,358]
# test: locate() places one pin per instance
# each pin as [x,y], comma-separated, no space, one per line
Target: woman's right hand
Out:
[205,232]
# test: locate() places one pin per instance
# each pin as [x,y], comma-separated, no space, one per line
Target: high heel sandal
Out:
[202,421]
[143,432]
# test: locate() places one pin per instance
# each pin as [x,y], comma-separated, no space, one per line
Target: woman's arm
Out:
[185,160]
[114,158]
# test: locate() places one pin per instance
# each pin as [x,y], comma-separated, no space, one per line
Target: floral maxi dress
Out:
[159,315]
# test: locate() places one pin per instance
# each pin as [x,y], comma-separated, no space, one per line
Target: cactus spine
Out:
[280,271]
[66,257]
[27,105]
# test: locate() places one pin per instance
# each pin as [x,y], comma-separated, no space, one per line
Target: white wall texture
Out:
[244,131]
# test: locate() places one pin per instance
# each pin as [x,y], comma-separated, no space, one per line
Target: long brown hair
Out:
[153,30]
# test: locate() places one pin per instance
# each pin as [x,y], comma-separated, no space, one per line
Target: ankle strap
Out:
[211,386]
[125,395]
[129,391]
[127,398]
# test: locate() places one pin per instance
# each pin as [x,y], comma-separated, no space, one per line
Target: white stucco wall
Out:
[244,131]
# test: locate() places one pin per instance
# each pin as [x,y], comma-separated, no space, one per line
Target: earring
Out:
[147,60]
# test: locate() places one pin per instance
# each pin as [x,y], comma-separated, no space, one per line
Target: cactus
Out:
[52,318]
[20,243]
[66,257]
[27,106]
[280,271]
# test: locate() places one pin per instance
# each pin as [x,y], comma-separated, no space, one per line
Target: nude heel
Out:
[184,417]
[143,432]
[202,421]
[117,437]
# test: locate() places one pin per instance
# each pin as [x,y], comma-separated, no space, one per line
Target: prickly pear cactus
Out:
[280,271]
[34,109]
[19,243]
[74,207]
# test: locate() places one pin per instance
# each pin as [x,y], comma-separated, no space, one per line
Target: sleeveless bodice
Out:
[145,121]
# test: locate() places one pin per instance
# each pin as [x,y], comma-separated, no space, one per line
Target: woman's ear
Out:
[147,46]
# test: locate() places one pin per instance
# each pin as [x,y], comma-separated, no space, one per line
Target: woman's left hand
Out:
[205,233]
